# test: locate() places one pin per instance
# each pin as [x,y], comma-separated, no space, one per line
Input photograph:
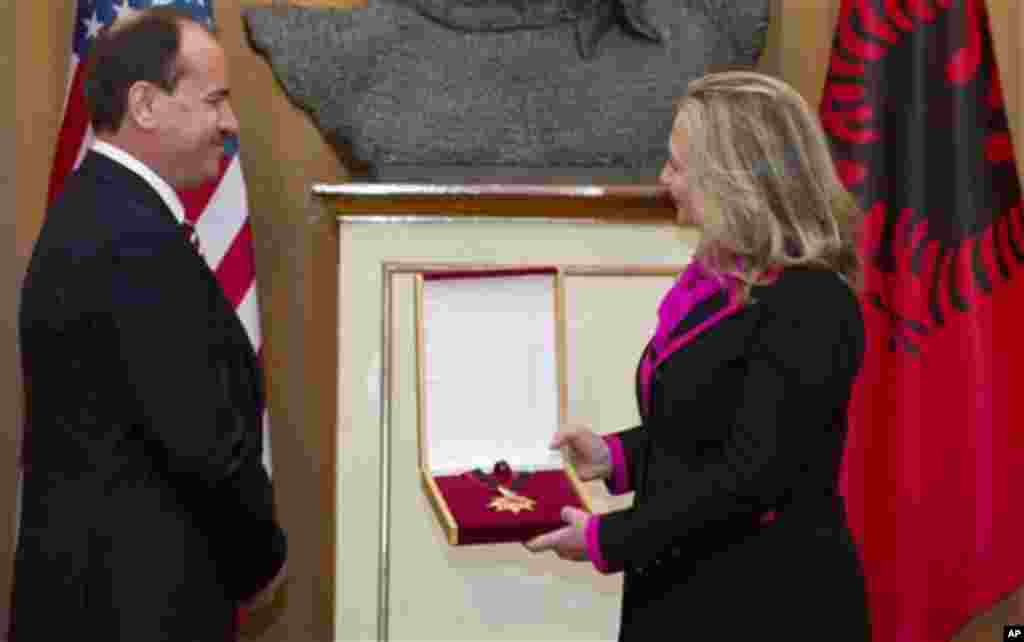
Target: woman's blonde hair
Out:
[757,159]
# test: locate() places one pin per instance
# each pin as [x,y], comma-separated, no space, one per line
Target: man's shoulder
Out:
[98,200]
[105,181]
[93,223]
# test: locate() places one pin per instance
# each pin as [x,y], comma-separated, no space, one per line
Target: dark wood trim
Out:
[513,189]
[638,204]
[321,348]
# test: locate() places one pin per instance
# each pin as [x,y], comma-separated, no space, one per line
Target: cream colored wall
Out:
[282,154]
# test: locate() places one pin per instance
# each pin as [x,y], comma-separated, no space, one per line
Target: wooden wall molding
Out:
[637,204]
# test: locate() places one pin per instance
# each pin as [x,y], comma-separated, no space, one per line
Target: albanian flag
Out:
[934,466]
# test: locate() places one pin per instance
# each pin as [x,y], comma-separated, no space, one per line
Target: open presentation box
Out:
[491,382]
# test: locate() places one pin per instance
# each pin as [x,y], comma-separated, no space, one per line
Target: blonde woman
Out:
[743,390]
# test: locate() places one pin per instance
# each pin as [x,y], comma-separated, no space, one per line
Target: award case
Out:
[491,393]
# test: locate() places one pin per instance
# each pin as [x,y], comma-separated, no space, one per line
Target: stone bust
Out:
[504,83]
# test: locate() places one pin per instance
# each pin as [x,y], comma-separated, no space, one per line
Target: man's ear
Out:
[143,104]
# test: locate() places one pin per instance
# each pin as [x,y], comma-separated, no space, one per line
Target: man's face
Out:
[197,118]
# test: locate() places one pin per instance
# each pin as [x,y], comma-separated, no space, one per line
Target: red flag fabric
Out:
[915,112]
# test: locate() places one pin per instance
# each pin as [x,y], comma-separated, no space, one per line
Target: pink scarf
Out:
[695,285]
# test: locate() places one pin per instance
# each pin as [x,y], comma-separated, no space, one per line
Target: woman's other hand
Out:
[568,542]
[586,451]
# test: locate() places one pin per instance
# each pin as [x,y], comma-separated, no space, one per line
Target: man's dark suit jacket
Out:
[747,418]
[147,514]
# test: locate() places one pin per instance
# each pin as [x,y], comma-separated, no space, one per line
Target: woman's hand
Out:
[568,542]
[586,451]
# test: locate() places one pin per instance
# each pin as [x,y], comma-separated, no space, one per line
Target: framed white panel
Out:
[489,342]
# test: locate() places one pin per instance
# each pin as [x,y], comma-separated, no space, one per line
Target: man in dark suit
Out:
[147,513]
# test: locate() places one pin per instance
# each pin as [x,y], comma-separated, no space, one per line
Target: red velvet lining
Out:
[467,500]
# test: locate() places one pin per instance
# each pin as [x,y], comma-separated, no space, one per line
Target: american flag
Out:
[218,209]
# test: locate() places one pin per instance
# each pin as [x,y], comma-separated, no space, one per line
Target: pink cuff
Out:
[619,482]
[593,546]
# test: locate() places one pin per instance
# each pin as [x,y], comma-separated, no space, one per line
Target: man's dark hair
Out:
[122,55]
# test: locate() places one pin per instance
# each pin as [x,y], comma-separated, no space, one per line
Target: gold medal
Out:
[511,502]
[503,480]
